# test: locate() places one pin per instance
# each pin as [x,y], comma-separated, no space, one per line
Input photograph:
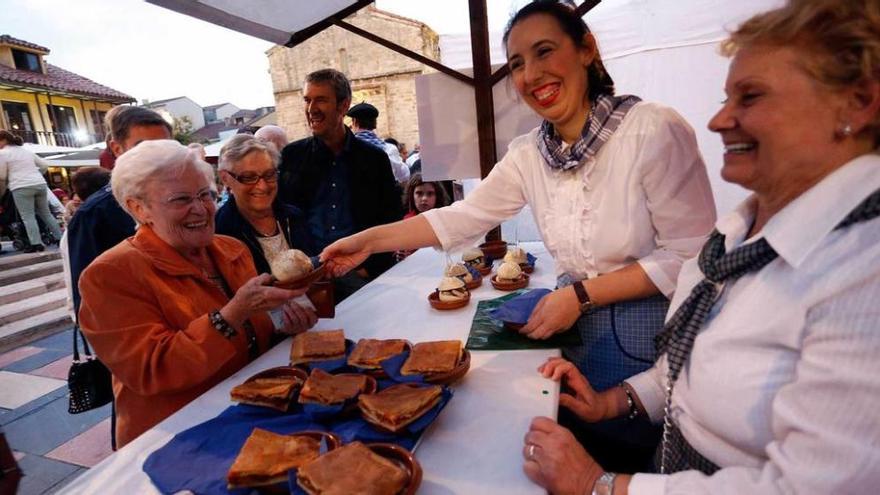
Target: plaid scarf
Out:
[719,268]
[370,137]
[606,114]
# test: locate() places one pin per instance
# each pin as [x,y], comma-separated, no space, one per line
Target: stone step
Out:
[22,273]
[36,327]
[32,306]
[11,261]
[29,288]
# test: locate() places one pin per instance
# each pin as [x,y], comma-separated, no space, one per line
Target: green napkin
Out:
[488,334]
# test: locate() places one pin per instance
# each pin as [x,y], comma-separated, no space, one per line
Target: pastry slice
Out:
[352,470]
[266,458]
[398,405]
[324,388]
[317,346]
[274,392]
[369,353]
[432,357]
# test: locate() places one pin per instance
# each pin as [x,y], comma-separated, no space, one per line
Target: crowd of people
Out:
[735,354]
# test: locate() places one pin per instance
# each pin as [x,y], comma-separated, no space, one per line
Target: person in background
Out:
[769,379]
[100,223]
[174,309]
[342,184]
[420,197]
[401,147]
[85,182]
[620,196]
[363,124]
[272,134]
[20,172]
[411,159]
[106,159]
[253,214]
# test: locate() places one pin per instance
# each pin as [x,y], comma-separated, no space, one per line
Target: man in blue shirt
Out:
[100,223]
[343,184]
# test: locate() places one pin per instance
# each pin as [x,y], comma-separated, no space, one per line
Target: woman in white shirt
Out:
[19,170]
[771,379]
[617,187]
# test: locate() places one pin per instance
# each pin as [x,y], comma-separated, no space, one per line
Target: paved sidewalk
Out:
[51,445]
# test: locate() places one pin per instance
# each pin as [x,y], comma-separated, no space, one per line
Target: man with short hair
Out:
[343,184]
[272,134]
[363,124]
[100,223]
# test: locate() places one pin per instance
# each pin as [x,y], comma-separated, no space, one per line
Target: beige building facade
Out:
[379,76]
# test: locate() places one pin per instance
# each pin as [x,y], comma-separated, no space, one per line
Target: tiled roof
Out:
[212,131]
[5,39]
[246,114]
[59,79]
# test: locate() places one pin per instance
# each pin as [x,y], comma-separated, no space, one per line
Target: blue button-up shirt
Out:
[330,217]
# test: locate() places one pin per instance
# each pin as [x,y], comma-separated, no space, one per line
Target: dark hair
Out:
[416,181]
[10,138]
[598,80]
[336,79]
[365,122]
[393,141]
[127,117]
[89,180]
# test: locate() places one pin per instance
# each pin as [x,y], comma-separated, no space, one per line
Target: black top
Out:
[306,166]
[229,221]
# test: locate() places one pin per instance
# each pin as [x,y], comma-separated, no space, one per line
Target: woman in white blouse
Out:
[771,379]
[618,190]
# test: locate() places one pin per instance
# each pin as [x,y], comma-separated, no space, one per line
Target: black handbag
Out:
[88,380]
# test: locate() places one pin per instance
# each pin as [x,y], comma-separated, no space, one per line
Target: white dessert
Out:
[516,255]
[474,257]
[290,265]
[452,289]
[458,270]
[509,272]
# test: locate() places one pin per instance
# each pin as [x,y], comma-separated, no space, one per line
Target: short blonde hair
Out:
[152,161]
[242,145]
[839,40]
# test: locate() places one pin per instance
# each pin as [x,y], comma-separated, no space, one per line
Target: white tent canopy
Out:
[661,50]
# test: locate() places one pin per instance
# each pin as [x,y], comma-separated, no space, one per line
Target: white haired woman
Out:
[174,309]
[254,215]
[769,383]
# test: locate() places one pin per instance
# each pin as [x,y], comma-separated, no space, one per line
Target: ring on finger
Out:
[531,452]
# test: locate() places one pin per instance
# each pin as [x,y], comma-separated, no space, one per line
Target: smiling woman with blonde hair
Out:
[175,309]
[769,378]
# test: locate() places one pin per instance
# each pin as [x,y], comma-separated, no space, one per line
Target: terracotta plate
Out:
[473,284]
[461,369]
[405,460]
[436,303]
[509,286]
[494,249]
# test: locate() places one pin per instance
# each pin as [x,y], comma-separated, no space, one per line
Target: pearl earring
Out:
[846,130]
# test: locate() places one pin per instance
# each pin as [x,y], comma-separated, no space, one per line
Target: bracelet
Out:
[604,485]
[220,323]
[630,402]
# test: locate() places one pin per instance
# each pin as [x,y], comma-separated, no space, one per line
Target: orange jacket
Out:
[145,311]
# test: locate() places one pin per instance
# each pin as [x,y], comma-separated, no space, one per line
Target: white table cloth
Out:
[475,444]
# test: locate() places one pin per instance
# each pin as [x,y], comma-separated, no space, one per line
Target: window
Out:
[63,118]
[98,123]
[26,61]
[19,119]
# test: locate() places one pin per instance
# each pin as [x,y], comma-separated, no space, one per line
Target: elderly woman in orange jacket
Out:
[174,309]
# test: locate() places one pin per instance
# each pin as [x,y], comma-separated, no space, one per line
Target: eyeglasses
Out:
[181,201]
[250,179]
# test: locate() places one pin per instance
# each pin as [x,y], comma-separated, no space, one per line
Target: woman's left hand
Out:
[555,312]
[556,461]
[296,318]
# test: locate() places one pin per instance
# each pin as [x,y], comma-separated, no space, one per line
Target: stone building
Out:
[378,75]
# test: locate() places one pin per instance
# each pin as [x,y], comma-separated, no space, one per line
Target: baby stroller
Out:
[13,227]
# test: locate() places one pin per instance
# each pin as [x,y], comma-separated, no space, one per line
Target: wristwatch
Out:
[605,484]
[583,298]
